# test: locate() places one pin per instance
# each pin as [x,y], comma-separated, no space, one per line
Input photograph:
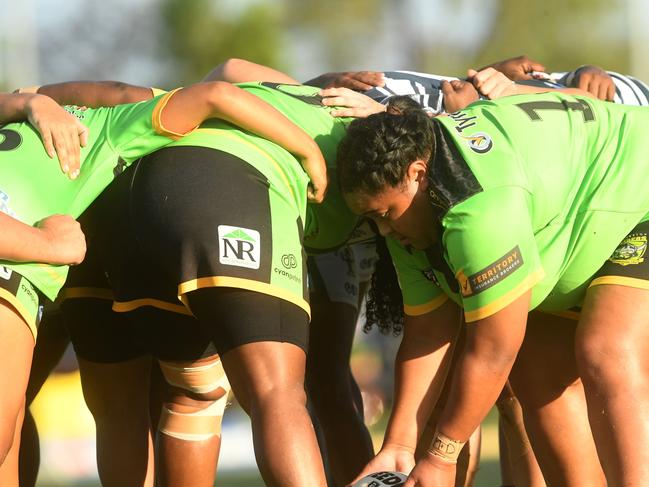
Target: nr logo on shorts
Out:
[239,246]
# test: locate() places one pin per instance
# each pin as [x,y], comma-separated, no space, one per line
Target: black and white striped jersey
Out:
[426,89]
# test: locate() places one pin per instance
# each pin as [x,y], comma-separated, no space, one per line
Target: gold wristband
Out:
[445,448]
[29,89]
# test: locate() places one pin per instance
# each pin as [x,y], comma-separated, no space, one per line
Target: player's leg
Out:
[115,369]
[263,339]
[193,399]
[189,432]
[546,382]
[330,384]
[613,357]
[518,465]
[612,347]
[16,348]
[51,343]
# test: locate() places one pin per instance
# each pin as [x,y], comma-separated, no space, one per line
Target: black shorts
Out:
[155,228]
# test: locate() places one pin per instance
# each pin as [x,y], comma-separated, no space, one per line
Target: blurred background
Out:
[166,43]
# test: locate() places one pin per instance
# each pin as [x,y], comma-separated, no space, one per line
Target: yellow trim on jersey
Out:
[125,306]
[28,318]
[621,281]
[506,299]
[422,309]
[240,283]
[86,292]
[231,135]
[156,118]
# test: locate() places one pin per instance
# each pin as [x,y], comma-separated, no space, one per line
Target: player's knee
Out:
[199,422]
[200,418]
[277,396]
[603,359]
[205,380]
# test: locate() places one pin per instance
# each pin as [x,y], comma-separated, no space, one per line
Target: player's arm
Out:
[492,344]
[421,368]
[62,133]
[517,68]
[57,239]
[239,71]
[594,80]
[190,106]
[354,80]
[95,93]
[494,84]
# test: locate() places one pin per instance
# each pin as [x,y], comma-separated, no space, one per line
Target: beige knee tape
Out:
[198,426]
[206,377]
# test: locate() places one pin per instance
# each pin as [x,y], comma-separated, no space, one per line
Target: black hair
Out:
[377,150]
[384,304]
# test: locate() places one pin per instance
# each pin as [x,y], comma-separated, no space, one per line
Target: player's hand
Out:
[62,133]
[316,168]
[432,471]
[64,242]
[517,68]
[391,458]
[458,94]
[491,83]
[349,103]
[354,80]
[595,81]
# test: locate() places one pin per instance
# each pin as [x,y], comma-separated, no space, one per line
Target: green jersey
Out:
[534,192]
[32,186]
[327,225]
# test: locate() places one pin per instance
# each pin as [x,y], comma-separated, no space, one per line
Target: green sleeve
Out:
[420,294]
[491,249]
[135,129]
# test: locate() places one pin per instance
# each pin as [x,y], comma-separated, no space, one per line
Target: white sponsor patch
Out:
[239,246]
[5,273]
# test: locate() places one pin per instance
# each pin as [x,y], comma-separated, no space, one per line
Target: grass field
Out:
[62,393]
[488,474]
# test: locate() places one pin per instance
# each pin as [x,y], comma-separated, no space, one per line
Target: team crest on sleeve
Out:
[490,275]
[631,250]
[239,246]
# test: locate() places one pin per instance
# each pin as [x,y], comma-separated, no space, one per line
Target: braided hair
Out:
[375,154]
[377,150]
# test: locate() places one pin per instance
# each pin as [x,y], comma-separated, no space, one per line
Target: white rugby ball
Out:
[382,479]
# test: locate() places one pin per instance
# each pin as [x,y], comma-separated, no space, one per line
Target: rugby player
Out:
[565,170]
[37,190]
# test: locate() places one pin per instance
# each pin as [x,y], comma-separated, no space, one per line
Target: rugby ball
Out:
[382,479]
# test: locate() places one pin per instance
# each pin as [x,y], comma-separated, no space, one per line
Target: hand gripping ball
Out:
[382,479]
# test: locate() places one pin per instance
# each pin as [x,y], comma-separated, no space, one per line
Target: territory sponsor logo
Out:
[239,246]
[490,275]
[631,250]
